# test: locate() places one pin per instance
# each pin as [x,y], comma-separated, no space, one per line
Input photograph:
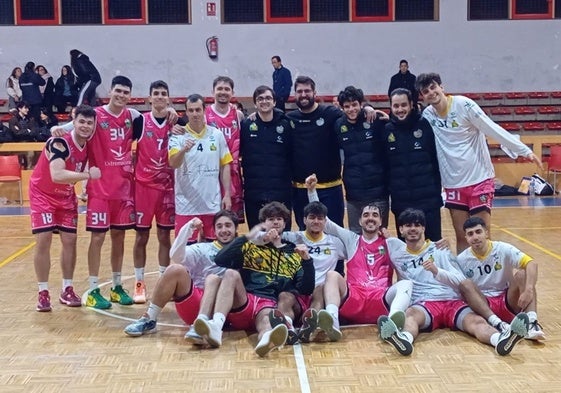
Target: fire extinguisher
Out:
[212,47]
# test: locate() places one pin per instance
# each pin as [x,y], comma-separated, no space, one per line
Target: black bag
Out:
[541,186]
[6,135]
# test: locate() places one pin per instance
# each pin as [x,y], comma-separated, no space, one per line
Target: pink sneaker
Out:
[43,301]
[69,298]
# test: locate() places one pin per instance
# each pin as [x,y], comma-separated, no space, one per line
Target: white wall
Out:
[470,56]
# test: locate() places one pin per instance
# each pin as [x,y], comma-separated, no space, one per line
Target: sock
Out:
[153,312]
[494,320]
[162,269]
[116,279]
[93,280]
[43,286]
[333,310]
[494,339]
[219,319]
[402,296]
[408,336]
[532,316]
[139,273]
[203,317]
[289,320]
[66,282]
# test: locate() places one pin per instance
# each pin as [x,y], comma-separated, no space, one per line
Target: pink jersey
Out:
[370,265]
[152,168]
[230,127]
[73,155]
[110,150]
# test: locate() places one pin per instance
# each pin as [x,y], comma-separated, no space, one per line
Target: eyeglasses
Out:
[264,99]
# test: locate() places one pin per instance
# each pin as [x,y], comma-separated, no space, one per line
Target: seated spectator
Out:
[13,89]
[48,89]
[24,129]
[66,92]
[43,131]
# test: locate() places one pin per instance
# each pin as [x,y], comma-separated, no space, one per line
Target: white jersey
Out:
[325,251]
[426,287]
[493,271]
[463,155]
[197,180]
[197,258]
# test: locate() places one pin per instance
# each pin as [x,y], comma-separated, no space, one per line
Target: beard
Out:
[310,103]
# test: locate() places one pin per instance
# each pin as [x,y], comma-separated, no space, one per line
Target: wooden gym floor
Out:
[80,350]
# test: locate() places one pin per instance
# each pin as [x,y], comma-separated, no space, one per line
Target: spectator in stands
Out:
[13,89]
[48,90]
[88,76]
[404,79]
[460,128]
[44,125]
[66,92]
[24,129]
[29,83]
[282,82]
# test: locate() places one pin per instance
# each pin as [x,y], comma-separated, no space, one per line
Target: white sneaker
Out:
[329,325]
[517,330]
[391,334]
[193,337]
[501,326]
[535,332]
[209,332]
[272,339]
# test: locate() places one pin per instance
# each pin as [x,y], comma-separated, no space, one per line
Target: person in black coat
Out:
[66,92]
[88,77]
[48,91]
[414,176]
[405,80]
[29,82]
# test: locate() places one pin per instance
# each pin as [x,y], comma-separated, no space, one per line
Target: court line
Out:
[18,253]
[531,243]
[301,368]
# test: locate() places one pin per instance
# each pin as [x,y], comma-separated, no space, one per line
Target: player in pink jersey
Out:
[153,187]
[54,206]
[225,116]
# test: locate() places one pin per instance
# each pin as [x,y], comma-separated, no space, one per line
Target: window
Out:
[248,11]
[511,9]
[371,11]
[286,10]
[168,11]
[6,12]
[83,12]
[415,10]
[36,12]
[124,12]
[329,10]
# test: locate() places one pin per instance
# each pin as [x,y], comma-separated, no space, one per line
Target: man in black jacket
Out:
[405,80]
[29,83]
[88,76]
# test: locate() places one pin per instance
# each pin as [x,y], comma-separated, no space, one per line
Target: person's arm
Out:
[225,182]
[176,151]
[231,255]
[529,292]
[58,152]
[306,276]
[60,130]
[177,250]
[286,83]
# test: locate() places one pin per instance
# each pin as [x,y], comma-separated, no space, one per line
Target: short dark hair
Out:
[30,66]
[226,213]
[403,61]
[22,104]
[263,89]
[193,98]
[401,91]
[159,84]
[350,94]
[316,208]
[121,80]
[274,209]
[85,111]
[304,80]
[222,78]
[411,216]
[474,221]
[277,58]
[370,206]
[424,80]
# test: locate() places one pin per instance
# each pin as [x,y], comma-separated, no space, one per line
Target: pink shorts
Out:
[208,227]
[364,305]
[443,313]
[472,199]
[103,214]
[244,318]
[49,213]
[188,307]
[151,202]
[499,306]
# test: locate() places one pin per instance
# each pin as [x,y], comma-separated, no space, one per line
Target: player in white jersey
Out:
[192,280]
[460,127]
[367,291]
[54,206]
[436,301]
[505,275]
[153,189]
[201,160]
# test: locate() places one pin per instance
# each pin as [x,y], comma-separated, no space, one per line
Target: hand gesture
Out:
[256,230]
[172,116]
[57,131]
[442,244]
[178,130]
[95,173]
[311,182]
[271,235]
[532,157]
[430,266]
[302,250]
[189,143]
[197,224]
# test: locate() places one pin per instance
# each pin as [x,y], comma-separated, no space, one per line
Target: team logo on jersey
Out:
[416,146]
[327,251]
[127,123]
[343,128]
[418,133]
[279,139]
[119,154]
[483,198]
[366,125]
[104,125]
[280,129]
[253,127]
[234,124]
[382,250]
[211,138]
[320,121]
[497,266]
[368,135]
[469,273]
[212,147]
[391,137]
[454,123]
[149,134]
